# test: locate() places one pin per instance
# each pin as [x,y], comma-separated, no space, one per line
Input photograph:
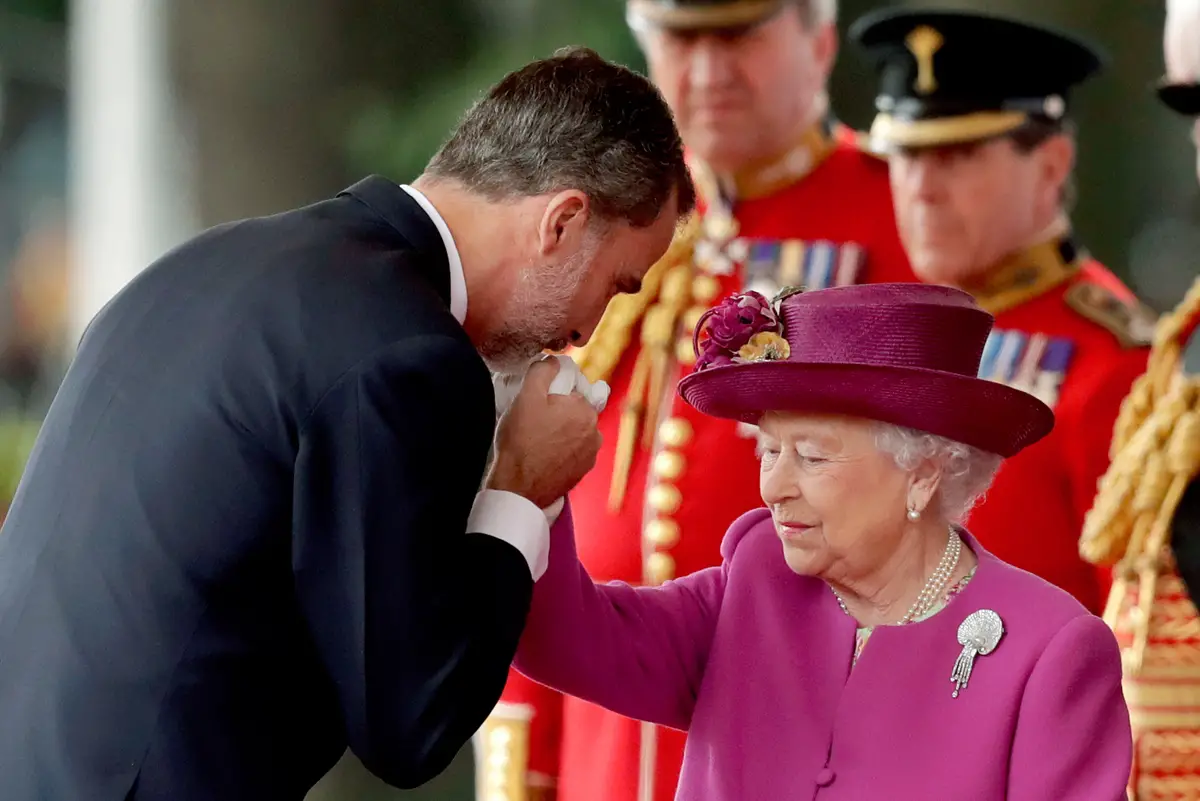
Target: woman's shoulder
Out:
[1031,604]
[756,520]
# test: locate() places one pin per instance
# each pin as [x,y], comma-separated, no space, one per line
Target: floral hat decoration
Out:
[743,328]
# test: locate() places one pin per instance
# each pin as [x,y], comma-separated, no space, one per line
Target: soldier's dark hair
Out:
[572,121]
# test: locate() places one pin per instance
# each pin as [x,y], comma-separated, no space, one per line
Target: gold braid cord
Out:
[658,307]
[599,358]
[1155,455]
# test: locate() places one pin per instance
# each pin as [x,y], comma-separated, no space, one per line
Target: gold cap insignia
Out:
[923,42]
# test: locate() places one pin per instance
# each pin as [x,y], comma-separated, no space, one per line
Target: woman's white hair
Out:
[967,472]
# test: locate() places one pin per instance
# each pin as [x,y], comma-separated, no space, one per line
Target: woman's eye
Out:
[767,454]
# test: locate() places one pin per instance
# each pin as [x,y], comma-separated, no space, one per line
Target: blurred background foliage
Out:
[396,136]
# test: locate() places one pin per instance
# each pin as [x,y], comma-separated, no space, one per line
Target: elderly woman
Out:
[856,643]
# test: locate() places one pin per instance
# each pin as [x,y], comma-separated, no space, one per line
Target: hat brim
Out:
[890,133]
[717,16]
[1182,98]
[985,414]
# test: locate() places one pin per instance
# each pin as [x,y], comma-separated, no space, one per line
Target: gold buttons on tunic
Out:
[662,533]
[659,568]
[664,498]
[675,432]
[668,465]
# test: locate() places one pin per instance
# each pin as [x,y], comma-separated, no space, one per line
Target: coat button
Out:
[662,533]
[825,777]
[664,498]
[659,568]
[669,465]
[675,432]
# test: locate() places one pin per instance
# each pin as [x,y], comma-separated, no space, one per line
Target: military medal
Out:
[979,635]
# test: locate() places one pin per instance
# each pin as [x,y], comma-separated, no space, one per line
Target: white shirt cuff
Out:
[509,517]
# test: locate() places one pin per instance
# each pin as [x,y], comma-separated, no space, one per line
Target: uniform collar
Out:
[1029,273]
[766,177]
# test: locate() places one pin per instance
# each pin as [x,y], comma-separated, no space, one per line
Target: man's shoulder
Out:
[1109,308]
[852,157]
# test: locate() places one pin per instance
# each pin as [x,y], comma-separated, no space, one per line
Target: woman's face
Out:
[838,503]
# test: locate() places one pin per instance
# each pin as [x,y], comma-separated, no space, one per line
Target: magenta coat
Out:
[753,661]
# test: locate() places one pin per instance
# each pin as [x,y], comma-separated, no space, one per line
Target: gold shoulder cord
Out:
[1155,454]
[658,306]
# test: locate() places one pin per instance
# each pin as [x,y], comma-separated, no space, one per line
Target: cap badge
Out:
[1054,106]
[923,42]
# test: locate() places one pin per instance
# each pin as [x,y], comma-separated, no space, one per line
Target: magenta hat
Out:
[906,354]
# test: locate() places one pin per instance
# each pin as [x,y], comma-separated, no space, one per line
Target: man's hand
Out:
[545,443]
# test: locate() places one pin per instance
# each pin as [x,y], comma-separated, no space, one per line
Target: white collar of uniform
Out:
[458,281]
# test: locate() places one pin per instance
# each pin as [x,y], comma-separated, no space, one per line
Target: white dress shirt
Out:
[503,515]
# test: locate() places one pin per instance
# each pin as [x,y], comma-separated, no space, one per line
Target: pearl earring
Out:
[914,515]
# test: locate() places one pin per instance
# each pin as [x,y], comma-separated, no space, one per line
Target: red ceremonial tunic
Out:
[1070,332]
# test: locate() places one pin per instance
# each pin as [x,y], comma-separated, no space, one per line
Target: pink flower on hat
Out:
[731,326]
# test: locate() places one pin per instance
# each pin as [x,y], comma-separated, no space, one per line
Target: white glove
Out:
[569,379]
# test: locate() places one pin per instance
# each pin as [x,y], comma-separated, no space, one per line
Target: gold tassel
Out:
[658,320]
[600,356]
[631,416]
[1146,420]
[1155,455]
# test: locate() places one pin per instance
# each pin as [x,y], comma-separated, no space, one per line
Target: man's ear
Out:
[564,221]
[825,48]
[1057,161]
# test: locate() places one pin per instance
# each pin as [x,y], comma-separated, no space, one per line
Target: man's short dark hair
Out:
[572,121]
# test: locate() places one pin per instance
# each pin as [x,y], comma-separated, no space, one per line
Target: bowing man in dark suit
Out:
[251,532]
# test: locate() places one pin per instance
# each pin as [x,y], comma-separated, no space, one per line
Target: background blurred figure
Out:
[788,197]
[973,110]
[1149,506]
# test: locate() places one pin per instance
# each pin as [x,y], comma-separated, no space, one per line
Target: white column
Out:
[128,187]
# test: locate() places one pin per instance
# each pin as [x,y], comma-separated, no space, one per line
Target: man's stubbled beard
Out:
[537,314]
[535,318]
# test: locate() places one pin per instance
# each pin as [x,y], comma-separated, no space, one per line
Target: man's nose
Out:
[581,336]
[709,64]
[925,173]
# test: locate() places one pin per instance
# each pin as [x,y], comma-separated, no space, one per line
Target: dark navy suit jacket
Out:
[239,544]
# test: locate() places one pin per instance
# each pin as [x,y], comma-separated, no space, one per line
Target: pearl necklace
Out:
[934,586]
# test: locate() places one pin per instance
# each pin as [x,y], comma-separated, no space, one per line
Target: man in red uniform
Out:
[787,198]
[973,112]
